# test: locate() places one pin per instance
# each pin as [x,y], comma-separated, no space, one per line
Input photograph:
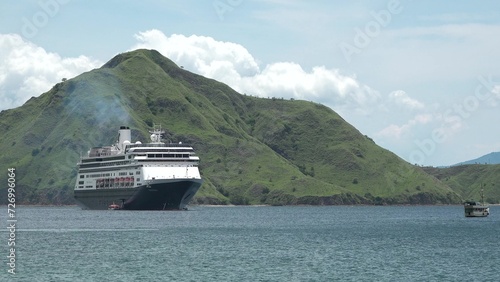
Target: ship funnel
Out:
[124,135]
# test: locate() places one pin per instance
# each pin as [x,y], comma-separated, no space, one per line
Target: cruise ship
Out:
[136,176]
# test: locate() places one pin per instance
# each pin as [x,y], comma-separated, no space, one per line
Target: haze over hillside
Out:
[252,150]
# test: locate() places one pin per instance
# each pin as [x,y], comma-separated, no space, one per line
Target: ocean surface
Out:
[304,243]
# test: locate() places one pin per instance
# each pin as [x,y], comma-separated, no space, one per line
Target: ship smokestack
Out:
[124,135]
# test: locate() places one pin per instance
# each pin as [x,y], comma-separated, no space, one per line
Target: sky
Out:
[420,78]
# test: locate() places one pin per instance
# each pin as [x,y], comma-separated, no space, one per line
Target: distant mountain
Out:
[491,158]
[252,150]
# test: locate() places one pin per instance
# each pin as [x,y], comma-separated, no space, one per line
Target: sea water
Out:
[244,243]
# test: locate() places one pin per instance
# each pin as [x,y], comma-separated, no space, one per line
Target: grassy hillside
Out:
[467,180]
[252,150]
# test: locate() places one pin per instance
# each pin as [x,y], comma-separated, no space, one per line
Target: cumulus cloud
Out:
[290,80]
[202,54]
[232,64]
[28,70]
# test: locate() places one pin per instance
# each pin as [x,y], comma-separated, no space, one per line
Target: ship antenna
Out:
[156,133]
[482,194]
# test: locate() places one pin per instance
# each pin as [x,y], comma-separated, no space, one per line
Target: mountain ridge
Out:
[252,150]
[490,158]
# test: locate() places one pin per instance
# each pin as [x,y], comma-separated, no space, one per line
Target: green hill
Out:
[467,180]
[252,150]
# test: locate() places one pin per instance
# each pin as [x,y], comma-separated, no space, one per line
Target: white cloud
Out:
[392,131]
[401,98]
[200,53]
[232,64]
[495,96]
[27,70]
[397,132]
